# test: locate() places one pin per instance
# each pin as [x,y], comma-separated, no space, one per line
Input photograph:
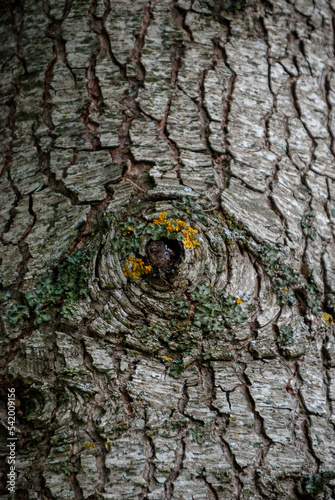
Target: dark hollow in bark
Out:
[164,256]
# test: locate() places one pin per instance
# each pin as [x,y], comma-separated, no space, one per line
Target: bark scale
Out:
[211,375]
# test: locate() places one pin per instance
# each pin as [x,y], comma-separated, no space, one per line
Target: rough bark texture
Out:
[220,114]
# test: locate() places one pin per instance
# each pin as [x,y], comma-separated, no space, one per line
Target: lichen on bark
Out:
[167,248]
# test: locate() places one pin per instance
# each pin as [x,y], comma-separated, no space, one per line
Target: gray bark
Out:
[221,115]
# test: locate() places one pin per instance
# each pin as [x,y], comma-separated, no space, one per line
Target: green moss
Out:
[284,277]
[17,313]
[4,296]
[222,7]
[64,467]
[197,434]
[213,313]
[187,321]
[307,223]
[313,484]
[177,367]
[286,336]
[127,238]
[69,285]
[313,297]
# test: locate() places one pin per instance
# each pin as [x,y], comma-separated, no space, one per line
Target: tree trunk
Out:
[167,255]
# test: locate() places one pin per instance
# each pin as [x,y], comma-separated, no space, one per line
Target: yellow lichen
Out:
[328,318]
[89,445]
[161,219]
[135,268]
[177,225]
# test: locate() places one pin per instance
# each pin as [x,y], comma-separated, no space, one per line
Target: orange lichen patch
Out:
[135,268]
[328,318]
[177,225]
[161,219]
[89,445]
[189,240]
[238,301]
[173,226]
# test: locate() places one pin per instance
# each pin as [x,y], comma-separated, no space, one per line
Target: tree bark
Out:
[197,138]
